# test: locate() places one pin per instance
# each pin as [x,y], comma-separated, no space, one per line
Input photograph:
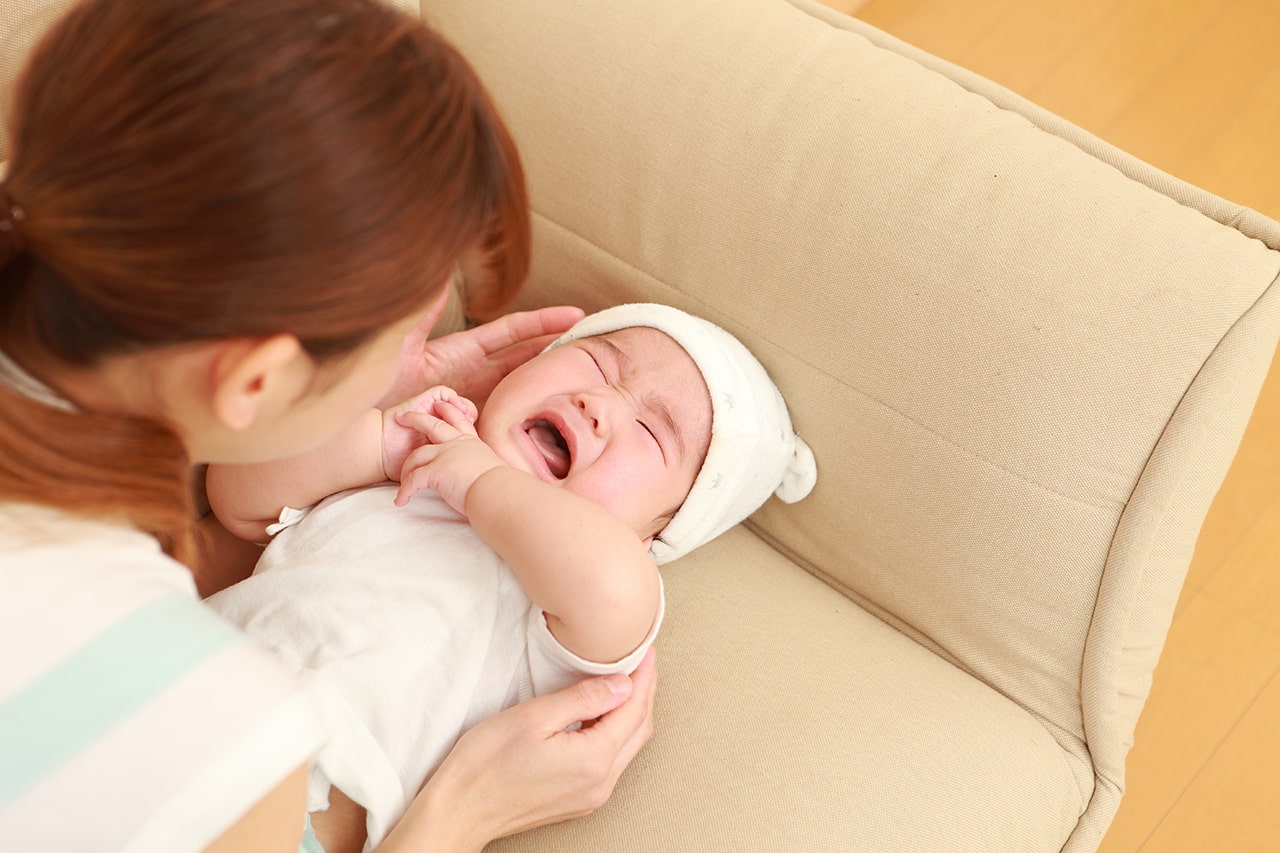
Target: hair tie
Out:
[11,216]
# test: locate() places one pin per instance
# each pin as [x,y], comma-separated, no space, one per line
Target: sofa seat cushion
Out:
[790,719]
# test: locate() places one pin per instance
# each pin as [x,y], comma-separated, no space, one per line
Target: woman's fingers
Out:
[509,358]
[523,326]
[521,768]
[630,726]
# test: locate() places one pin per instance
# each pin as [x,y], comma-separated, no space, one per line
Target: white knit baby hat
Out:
[754,451]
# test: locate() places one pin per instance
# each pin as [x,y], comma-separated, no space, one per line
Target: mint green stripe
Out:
[69,707]
[310,844]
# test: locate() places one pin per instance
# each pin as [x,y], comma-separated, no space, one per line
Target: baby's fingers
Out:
[433,427]
[469,409]
[415,476]
[458,417]
[449,397]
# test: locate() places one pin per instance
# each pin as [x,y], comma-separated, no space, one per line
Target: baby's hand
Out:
[399,440]
[453,460]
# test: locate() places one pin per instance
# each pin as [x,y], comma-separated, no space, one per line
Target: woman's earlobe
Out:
[233,411]
[248,375]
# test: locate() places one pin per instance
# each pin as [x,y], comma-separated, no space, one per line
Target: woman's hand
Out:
[472,362]
[520,769]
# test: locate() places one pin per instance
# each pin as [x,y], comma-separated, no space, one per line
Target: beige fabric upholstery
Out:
[21,23]
[1023,358]
[1024,361]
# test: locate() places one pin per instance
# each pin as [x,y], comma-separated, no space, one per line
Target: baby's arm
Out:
[247,498]
[587,570]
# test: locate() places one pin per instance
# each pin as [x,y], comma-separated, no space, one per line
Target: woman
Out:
[219,222]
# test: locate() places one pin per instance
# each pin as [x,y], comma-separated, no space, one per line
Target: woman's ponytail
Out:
[93,463]
[99,465]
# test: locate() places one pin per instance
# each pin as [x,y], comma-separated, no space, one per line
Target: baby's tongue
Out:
[548,441]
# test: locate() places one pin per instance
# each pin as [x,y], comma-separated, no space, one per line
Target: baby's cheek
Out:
[503,448]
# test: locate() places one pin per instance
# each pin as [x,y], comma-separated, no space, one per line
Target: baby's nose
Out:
[591,407]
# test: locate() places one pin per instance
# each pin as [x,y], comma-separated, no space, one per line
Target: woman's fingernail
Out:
[618,684]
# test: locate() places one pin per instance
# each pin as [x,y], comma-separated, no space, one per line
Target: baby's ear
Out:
[656,527]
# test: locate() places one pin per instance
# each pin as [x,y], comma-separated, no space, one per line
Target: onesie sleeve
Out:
[552,667]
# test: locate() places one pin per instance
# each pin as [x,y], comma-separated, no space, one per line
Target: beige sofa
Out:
[1024,361]
[1023,358]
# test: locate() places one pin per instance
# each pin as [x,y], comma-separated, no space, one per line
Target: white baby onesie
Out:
[406,630]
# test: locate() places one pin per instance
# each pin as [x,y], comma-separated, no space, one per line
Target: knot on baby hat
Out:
[754,451]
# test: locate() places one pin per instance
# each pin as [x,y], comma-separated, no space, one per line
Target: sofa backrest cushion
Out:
[21,23]
[986,322]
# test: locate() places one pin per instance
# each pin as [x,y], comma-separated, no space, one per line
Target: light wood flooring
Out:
[1193,87]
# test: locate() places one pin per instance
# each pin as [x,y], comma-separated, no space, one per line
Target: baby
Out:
[519,552]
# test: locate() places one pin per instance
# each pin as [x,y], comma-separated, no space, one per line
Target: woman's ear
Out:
[249,375]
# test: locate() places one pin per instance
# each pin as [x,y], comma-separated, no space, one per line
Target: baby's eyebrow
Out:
[658,406]
[652,402]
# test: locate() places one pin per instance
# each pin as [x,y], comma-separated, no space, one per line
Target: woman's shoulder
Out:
[71,585]
[121,662]
[25,526]
[47,553]
[106,595]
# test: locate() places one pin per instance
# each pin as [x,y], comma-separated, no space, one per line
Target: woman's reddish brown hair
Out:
[192,170]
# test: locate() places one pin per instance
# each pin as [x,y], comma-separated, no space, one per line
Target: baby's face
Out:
[622,419]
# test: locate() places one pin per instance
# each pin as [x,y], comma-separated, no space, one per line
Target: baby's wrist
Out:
[373,450]
[492,478]
[386,464]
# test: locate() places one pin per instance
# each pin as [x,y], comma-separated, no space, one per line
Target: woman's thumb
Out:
[590,698]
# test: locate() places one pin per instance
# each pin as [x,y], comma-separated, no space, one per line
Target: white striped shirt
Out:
[131,716]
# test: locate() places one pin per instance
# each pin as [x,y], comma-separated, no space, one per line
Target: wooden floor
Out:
[1192,86]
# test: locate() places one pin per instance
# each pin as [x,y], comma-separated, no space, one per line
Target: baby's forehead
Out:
[640,333]
[646,346]
[650,342]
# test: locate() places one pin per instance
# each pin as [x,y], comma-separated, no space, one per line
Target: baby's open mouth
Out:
[551,444]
